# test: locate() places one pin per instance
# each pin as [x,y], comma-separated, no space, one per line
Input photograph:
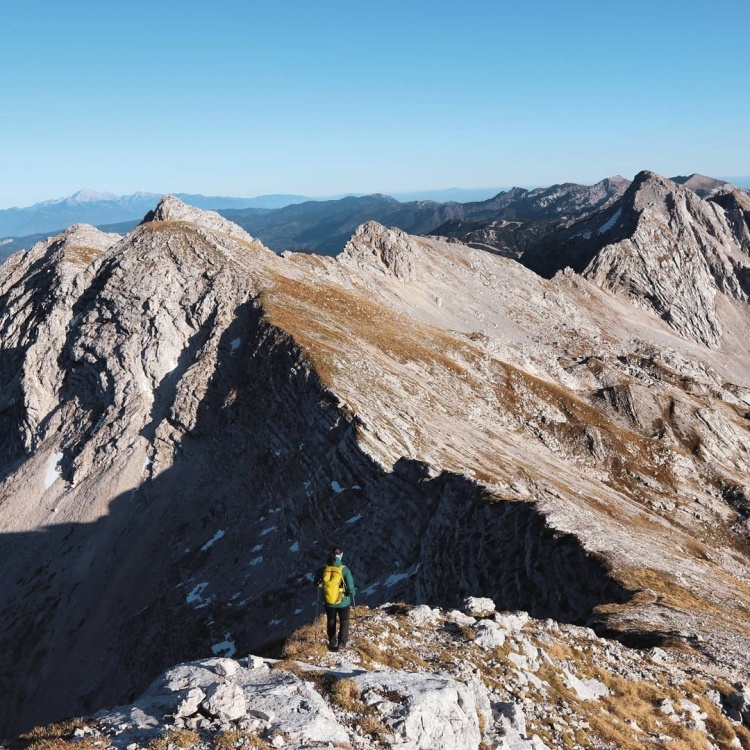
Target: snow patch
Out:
[611,222]
[370,590]
[196,595]
[392,580]
[337,488]
[225,648]
[215,538]
[235,344]
[294,547]
[268,530]
[354,519]
[53,470]
[257,548]
[256,560]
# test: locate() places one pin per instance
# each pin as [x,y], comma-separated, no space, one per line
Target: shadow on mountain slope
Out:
[215,552]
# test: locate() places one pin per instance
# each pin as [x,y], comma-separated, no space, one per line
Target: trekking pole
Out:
[354,612]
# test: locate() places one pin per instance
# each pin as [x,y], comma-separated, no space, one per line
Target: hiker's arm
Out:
[349,582]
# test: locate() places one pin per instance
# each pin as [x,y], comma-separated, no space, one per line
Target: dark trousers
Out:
[343,613]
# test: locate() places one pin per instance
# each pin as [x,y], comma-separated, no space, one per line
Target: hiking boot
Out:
[332,646]
[341,646]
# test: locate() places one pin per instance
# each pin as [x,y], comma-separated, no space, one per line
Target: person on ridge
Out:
[337,584]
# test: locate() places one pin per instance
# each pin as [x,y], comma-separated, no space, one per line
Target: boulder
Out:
[190,703]
[588,689]
[512,621]
[226,667]
[423,616]
[434,712]
[479,606]
[489,635]
[225,701]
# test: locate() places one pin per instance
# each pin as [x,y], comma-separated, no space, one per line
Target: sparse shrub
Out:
[233,739]
[183,738]
[467,632]
[372,725]
[54,735]
[347,694]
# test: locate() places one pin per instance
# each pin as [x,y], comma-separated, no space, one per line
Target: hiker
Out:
[337,585]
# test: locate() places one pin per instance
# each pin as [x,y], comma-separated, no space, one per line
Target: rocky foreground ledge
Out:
[426,679]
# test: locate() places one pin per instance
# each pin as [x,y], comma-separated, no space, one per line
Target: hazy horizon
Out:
[742,182]
[321,100]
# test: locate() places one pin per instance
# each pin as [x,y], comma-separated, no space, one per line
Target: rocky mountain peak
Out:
[390,248]
[673,253]
[82,243]
[171,208]
[701,184]
[648,185]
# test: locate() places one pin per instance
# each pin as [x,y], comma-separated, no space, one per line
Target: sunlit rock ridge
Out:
[189,420]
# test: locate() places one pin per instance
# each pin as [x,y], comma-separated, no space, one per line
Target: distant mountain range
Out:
[89,207]
[510,223]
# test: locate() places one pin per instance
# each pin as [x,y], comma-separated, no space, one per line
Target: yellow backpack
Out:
[333,585]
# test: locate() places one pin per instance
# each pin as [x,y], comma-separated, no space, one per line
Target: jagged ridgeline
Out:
[189,420]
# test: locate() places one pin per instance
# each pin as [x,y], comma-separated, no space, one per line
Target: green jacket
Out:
[348,582]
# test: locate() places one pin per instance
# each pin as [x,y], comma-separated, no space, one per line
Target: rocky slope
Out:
[190,419]
[430,679]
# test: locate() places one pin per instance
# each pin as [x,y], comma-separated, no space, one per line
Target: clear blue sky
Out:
[329,97]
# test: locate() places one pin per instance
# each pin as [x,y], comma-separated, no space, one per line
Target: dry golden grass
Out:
[325,320]
[56,735]
[183,738]
[233,740]
[62,729]
[288,665]
[82,255]
[373,726]
[346,694]
[307,642]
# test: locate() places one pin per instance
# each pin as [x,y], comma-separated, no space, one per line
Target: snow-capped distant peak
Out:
[91,196]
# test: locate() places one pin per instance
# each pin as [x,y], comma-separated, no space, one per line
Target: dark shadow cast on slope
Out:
[214,554]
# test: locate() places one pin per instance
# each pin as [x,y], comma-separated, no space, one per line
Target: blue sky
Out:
[327,97]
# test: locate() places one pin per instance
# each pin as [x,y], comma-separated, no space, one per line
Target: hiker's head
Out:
[335,556]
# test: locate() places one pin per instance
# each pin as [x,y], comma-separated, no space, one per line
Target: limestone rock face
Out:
[188,419]
[663,248]
[38,290]
[440,689]
[391,249]
[680,254]
[433,713]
